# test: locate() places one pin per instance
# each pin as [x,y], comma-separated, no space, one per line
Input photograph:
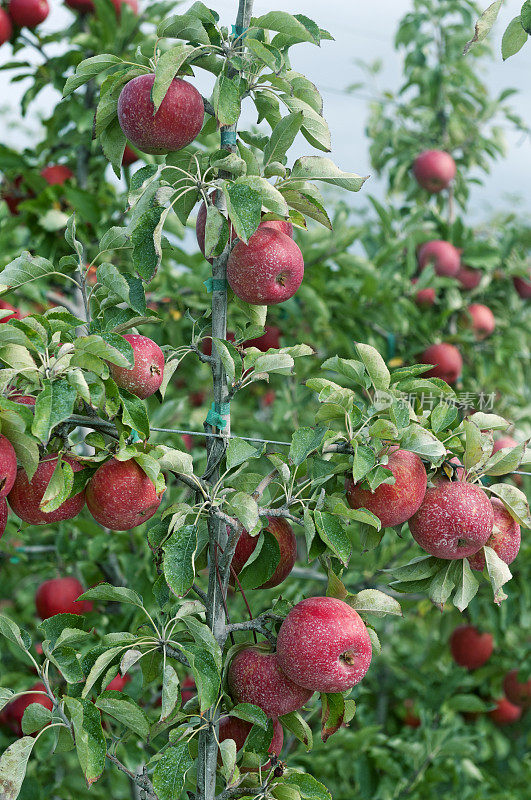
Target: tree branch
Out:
[141,781]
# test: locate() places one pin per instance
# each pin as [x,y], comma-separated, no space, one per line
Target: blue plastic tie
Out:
[227,137]
[214,416]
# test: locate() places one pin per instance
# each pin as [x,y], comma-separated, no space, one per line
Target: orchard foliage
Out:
[137,676]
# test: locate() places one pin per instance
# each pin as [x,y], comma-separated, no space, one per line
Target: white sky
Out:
[362,31]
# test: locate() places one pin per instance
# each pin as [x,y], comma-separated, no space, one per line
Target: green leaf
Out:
[308,786]
[90,741]
[505,460]
[179,556]
[134,413]
[6,695]
[466,586]
[249,713]
[13,765]
[59,488]
[375,365]
[146,238]
[25,447]
[174,460]
[286,24]
[112,140]
[442,417]
[239,451]
[304,441]
[99,667]
[183,26]
[226,100]
[443,583]
[244,206]
[525,16]
[245,509]
[54,404]
[35,717]
[124,286]
[170,692]
[473,448]
[466,702]
[488,421]
[333,714]
[206,674]
[272,199]
[514,501]
[109,346]
[298,726]
[168,65]
[282,137]
[499,573]
[112,594]
[318,168]
[262,563]
[424,443]
[333,534]
[125,710]
[513,39]
[88,68]
[372,601]
[484,24]
[363,461]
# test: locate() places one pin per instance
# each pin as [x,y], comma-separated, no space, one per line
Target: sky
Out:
[365,31]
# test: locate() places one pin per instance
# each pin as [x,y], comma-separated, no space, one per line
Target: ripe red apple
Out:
[523,286]
[434,170]
[23,399]
[266,271]
[188,689]
[446,360]
[469,647]
[59,596]
[239,729]
[394,503]
[323,645]
[505,712]
[411,719]
[8,466]
[120,495]
[281,225]
[3,517]
[25,496]
[504,539]
[270,339]
[145,377]
[5,306]
[57,174]
[255,676]
[118,683]
[515,691]
[196,399]
[424,297]
[468,278]
[454,520]
[481,319]
[503,441]
[129,157]
[269,398]
[176,123]
[28,13]
[287,542]
[87,6]
[443,255]
[14,711]
[6,28]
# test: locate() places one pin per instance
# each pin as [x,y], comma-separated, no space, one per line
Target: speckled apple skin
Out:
[255,677]
[28,13]
[469,278]
[281,225]
[443,255]
[59,596]
[287,542]
[454,520]
[3,517]
[315,637]
[25,496]
[239,729]
[394,503]
[176,123]
[505,712]
[120,495]
[266,271]
[14,711]
[434,170]
[505,537]
[145,377]
[469,647]
[8,466]
[517,692]
[481,319]
[446,360]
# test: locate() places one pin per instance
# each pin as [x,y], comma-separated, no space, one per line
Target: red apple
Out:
[176,123]
[505,712]
[188,689]
[255,677]
[454,520]
[23,399]
[281,225]
[523,286]
[323,645]
[468,278]
[145,377]
[25,496]
[3,517]
[14,711]
[287,542]
[87,6]
[28,13]
[5,306]
[502,442]
[469,647]
[443,255]
[481,319]
[188,441]
[446,360]
[6,28]
[239,729]
[59,596]
[515,691]
[411,719]
[270,339]
[57,174]
[504,539]
[129,157]
[434,170]
[269,398]
[8,466]
[120,495]
[424,297]
[196,399]
[266,271]
[394,503]
[118,683]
